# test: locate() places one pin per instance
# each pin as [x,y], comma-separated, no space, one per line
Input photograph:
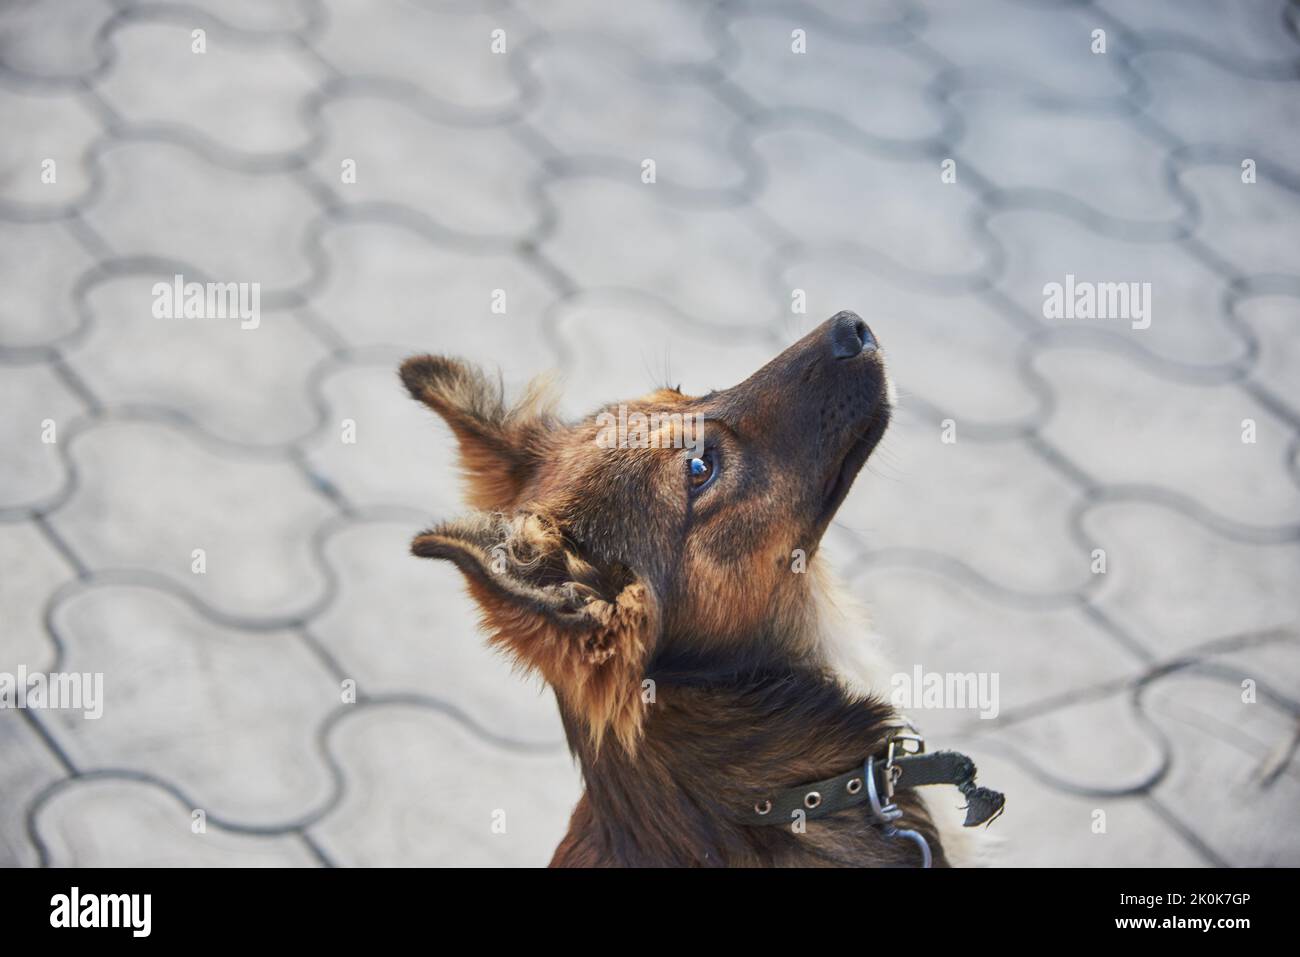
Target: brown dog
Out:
[657,590]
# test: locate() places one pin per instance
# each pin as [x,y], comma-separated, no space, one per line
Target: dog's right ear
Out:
[498,441]
[587,629]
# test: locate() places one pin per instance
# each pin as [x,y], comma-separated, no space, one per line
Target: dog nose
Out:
[850,335]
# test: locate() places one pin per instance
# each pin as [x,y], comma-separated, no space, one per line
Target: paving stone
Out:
[1202,102]
[596,111]
[870,23]
[675,34]
[1252,227]
[444,49]
[404,625]
[1186,320]
[29,768]
[1134,836]
[43,128]
[403,809]
[1045,49]
[776,172]
[1066,750]
[1251,33]
[34,406]
[239,97]
[1274,667]
[53,40]
[831,77]
[1142,430]
[403,454]
[40,265]
[255,524]
[105,822]
[1174,583]
[30,571]
[931,623]
[163,200]
[1275,320]
[622,235]
[228,717]
[387,285]
[956,352]
[919,493]
[907,221]
[1025,147]
[470,181]
[1217,737]
[129,356]
[261,16]
[624,346]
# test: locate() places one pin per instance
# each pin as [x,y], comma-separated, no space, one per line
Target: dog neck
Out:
[714,741]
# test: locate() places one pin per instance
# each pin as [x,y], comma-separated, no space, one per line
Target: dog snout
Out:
[850,336]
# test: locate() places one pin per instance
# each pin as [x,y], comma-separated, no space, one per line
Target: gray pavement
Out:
[215,518]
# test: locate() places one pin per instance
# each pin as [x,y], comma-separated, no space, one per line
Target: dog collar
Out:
[904,765]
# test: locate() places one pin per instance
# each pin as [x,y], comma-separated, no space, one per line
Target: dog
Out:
[670,593]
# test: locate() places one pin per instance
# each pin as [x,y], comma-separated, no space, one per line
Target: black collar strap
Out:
[886,776]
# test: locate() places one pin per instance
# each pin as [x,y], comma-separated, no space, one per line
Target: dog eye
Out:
[701,470]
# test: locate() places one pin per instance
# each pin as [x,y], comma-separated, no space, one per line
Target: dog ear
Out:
[587,630]
[498,440]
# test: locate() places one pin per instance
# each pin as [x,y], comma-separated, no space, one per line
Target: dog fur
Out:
[694,669]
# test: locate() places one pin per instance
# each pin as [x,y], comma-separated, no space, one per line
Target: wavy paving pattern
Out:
[315,697]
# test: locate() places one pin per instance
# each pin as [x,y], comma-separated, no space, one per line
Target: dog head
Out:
[668,525]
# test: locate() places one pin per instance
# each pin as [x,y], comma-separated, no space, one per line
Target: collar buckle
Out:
[901,744]
[898,746]
[889,812]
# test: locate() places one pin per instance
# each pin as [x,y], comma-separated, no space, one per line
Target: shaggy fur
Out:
[690,650]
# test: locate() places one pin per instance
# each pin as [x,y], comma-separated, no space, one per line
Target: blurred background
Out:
[216,518]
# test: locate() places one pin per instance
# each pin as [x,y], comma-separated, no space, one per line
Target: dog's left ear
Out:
[498,439]
[587,630]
